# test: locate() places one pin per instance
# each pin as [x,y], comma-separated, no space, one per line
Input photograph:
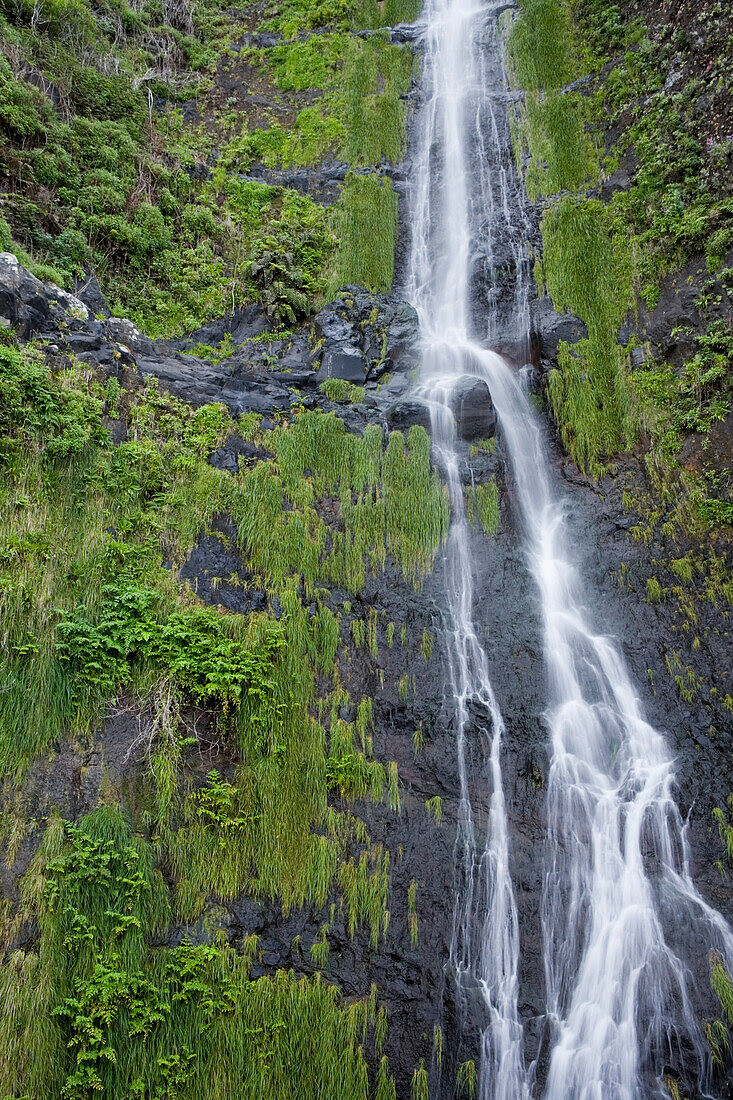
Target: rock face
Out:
[30,306]
[549,328]
[473,410]
[359,337]
[366,335]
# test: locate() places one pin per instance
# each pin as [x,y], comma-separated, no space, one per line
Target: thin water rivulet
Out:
[618,992]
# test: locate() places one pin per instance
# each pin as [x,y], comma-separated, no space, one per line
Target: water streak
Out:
[620,912]
[485,940]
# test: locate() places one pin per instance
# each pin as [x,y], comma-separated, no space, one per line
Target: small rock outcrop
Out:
[473,409]
[359,337]
[363,336]
[550,328]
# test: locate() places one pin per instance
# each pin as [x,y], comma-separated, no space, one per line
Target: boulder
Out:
[473,410]
[404,414]
[28,305]
[243,324]
[551,327]
[365,335]
[343,361]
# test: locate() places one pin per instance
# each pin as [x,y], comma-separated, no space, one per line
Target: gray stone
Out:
[551,327]
[124,332]
[473,409]
[89,292]
[405,414]
[345,362]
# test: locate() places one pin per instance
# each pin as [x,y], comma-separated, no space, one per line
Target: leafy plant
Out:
[281,287]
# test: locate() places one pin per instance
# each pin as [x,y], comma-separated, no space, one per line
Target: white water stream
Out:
[618,992]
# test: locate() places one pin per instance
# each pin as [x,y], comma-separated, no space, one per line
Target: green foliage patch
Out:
[95,1009]
[110,183]
[587,271]
[365,222]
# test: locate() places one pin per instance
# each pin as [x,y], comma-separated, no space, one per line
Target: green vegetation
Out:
[390,501]
[434,807]
[487,506]
[294,16]
[104,168]
[65,488]
[599,258]
[130,135]
[466,1079]
[338,389]
[97,1009]
[420,1084]
[89,611]
[92,610]
[365,222]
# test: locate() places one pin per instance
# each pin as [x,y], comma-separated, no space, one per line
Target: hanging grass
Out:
[588,271]
[95,1009]
[365,223]
[487,506]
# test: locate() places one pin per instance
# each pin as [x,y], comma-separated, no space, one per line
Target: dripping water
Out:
[620,999]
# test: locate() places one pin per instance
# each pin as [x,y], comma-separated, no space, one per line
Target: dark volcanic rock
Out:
[343,361]
[89,292]
[216,574]
[241,325]
[405,413]
[550,328]
[126,333]
[365,335]
[235,449]
[473,410]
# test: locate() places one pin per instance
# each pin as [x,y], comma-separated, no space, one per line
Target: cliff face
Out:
[230,791]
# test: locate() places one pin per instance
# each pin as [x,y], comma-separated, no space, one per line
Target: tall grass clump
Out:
[563,156]
[365,223]
[588,270]
[376,75]
[487,506]
[371,14]
[389,501]
[543,51]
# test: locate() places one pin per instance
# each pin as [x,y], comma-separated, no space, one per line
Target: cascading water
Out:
[619,996]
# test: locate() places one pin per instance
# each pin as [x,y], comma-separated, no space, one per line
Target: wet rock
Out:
[81,342]
[343,361]
[244,395]
[89,292]
[365,335]
[404,414]
[406,32]
[473,409]
[214,570]
[550,328]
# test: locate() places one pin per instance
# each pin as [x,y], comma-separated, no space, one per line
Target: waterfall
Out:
[619,907]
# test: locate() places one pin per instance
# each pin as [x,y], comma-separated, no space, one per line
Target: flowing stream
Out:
[619,907]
